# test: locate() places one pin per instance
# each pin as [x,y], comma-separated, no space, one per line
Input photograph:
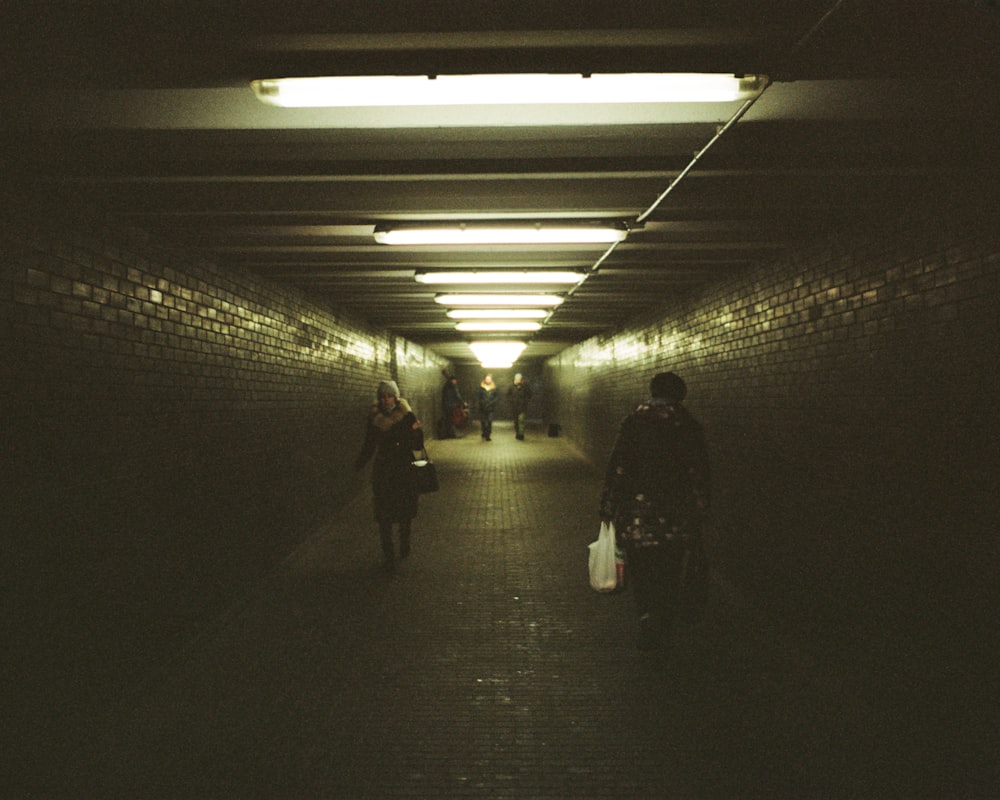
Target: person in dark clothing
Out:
[486,396]
[453,407]
[519,395]
[656,492]
[392,433]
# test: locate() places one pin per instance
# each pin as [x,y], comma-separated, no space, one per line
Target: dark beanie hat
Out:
[668,385]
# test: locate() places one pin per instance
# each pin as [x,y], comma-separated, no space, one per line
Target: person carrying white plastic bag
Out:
[602,561]
[657,492]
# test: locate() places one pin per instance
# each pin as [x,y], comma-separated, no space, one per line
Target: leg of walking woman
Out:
[404,538]
[385,535]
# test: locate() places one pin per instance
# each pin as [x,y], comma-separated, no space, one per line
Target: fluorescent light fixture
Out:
[466,233]
[499,325]
[498,313]
[499,277]
[497,354]
[352,91]
[498,299]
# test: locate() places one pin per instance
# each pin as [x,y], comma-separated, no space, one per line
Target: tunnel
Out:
[195,319]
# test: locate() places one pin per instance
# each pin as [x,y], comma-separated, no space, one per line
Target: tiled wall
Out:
[169,432]
[849,395]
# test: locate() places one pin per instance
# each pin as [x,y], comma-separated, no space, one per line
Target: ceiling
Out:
[143,110]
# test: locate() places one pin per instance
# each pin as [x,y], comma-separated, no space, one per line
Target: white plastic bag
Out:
[603,572]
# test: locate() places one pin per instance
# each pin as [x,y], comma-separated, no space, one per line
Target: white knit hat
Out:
[388,387]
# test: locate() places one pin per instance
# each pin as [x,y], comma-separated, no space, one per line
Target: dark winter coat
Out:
[656,487]
[451,397]
[487,398]
[392,440]
[519,395]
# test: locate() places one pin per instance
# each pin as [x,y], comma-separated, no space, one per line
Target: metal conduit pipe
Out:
[638,222]
[740,112]
[697,156]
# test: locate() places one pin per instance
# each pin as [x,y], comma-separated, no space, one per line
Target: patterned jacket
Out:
[656,487]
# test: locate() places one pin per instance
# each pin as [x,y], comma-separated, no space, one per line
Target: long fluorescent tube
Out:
[498,313]
[477,234]
[499,277]
[347,91]
[498,299]
[498,325]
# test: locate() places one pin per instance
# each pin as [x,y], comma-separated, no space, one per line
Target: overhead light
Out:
[467,233]
[497,354]
[500,276]
[497,325]
[345,91]
[498,299]
[498,313]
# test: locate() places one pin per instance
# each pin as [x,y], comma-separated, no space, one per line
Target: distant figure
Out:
[656,491]
[392,433]
[486,396]
[453,408]
[519,395]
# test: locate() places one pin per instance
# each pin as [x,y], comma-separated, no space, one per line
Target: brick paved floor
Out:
[485,668]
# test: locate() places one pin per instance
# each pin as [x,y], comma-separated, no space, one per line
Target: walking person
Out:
[656,491]
[519,395]
[486,396]
[392,433]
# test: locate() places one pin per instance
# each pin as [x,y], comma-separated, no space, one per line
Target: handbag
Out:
[603,569]
[423,473]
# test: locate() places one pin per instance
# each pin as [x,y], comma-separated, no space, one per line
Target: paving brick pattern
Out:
[485,668]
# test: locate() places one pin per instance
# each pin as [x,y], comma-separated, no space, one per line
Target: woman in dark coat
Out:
[487,395]
[392,434]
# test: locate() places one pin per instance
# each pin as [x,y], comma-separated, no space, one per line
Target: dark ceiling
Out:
[143,110]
